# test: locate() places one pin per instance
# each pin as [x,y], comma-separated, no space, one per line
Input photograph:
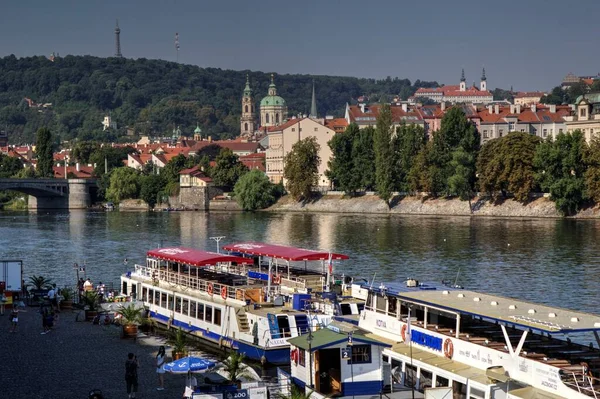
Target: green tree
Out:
[254,191]
[124,184]
[228,169]
[301,168]
[505,165]
[108,158]
[363,156]
[384,155]
[341,166]
[557,96]
[591,157]
[460,183]
[9,166]
[44,151]
[170,172]
[407,143]
[151,186]
[83,150]
[560,170]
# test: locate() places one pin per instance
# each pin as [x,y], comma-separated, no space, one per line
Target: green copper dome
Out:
[197,129]
[272,100]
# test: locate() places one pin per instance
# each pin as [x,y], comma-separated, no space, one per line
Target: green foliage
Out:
[9,166]
[40,282]
[83,150]
[301,168]
[384,154]
[178,341]
[460,182]
[44,151]
[591,157]
[26,173]
[151,188]
[170,172]
[235,368]
[124,184]
[254,191]
[560,170]
[408,142]
[91,300]
[154,96]
[500,94]
[567,96]
[228,169]
[506,165]
[130,314]
[112,156]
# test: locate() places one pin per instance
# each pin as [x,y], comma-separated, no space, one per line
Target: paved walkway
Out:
[73,359]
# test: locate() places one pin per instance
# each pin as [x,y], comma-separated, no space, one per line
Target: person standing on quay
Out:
[131,375]
[160,368]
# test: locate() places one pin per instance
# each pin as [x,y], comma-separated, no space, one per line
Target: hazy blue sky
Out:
[530,44]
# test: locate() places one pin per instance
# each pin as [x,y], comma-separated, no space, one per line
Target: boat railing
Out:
[582,383]
[293,282]
[186,281]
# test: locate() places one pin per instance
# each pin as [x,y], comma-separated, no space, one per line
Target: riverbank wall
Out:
[370,204]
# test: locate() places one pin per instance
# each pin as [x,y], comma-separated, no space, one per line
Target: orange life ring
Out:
[403,332]
[276,278]
[224,292]
[209,289]
[294,355]
[448,348]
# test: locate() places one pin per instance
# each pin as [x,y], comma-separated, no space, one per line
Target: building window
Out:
[522,130]
[316,129]
[485,134]
[361,354]
[545,133]
[245,127]
[500,132]
[591,132]
[551,132]
[246,108]
[511,126]
[293,129]
[267,118]
[302,357]
[276,118]
[582,112]
[560,131]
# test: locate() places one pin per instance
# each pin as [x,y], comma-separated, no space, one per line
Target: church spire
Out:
[483,78]
[462,76]
[313,103]
[248,89]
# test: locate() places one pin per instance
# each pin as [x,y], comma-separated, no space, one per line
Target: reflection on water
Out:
[549,261]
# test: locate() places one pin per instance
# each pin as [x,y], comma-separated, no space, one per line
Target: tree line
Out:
[154,96]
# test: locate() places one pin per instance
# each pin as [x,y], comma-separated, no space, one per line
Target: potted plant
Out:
[147,324]
[178,342]
[90,300]
[236,369]
[131,317]
[67,298]
[40,287]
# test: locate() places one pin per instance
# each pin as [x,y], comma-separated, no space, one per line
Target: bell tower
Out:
[463,81]
[247,121]
[483,83]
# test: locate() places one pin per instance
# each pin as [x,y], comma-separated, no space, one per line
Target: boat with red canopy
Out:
[291,278]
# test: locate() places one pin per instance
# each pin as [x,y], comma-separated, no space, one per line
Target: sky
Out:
[529,45]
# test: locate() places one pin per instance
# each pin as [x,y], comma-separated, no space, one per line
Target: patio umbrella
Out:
[189,364]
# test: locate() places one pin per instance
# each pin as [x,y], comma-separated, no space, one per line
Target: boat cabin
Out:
[483,346]
[337,361]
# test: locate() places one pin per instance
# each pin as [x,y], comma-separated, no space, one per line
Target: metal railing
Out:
[582,383]
[209,287]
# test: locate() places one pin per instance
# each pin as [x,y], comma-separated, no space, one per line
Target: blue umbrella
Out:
[189,364]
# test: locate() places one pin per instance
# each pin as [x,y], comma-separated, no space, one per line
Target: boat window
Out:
[163,300]
[410,377]
[380,303]
[192,309]
[392,306]
[426,379]
[208,314]
[171,303]
[345,307]
[441,382]
[157,298]
[361,354]
[184,306]
[150,296]
[477,393]
[200,311]
[370,301]
[217,317]
[301,357]
[360,306]
[284,326]
[144,294]
[178,304]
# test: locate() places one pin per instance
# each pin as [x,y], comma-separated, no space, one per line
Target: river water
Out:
[549,261]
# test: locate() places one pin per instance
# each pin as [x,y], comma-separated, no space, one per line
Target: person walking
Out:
[160,368]
[131,375]
[14,319]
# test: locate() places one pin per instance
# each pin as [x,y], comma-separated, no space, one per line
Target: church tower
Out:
[248,112]
[463,81]
[483,83]
[273,109]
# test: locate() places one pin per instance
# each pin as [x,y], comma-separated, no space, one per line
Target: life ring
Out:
[209,289]
[224,292]
[276,278]
[448,348]
[403,332]
[294,355]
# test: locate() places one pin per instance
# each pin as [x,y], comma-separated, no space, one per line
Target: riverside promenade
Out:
[74,358]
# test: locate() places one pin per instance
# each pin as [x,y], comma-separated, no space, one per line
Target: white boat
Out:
[481,346]
[215,297]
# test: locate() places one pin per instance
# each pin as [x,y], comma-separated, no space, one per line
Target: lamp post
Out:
[310,356]
[217,239]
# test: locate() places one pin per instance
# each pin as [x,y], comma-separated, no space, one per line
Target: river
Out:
[551,261]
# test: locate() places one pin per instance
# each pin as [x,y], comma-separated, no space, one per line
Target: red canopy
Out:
[194,257]
[280,251]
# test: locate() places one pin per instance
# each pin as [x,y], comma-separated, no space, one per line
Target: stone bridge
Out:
[54,193]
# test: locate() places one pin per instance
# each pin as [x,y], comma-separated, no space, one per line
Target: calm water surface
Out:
[554,262]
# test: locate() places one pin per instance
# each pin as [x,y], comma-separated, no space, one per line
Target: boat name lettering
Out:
[248,246]
[278,341]
[172,251]
[381,323]
[427,340]
[334,328]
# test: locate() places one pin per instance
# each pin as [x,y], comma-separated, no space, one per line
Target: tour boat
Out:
[478,345]
[218,298]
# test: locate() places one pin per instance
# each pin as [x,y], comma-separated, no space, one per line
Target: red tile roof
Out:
[196,172]
[84,172]
[254,161]
[372,112]
[454,91]
[523,94]
[336,123]
[284,125]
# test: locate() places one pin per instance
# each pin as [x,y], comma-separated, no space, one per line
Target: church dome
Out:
[272,101]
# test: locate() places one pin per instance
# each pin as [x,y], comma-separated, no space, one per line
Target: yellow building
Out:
[528,97]
[194,177]
[586,116]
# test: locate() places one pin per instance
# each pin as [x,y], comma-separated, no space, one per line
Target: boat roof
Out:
[281,251]
[193,257]
[493,307]
[325,337]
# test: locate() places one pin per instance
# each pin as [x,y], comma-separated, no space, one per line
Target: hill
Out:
[154,96]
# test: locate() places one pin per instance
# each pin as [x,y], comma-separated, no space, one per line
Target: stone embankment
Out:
[540,207]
